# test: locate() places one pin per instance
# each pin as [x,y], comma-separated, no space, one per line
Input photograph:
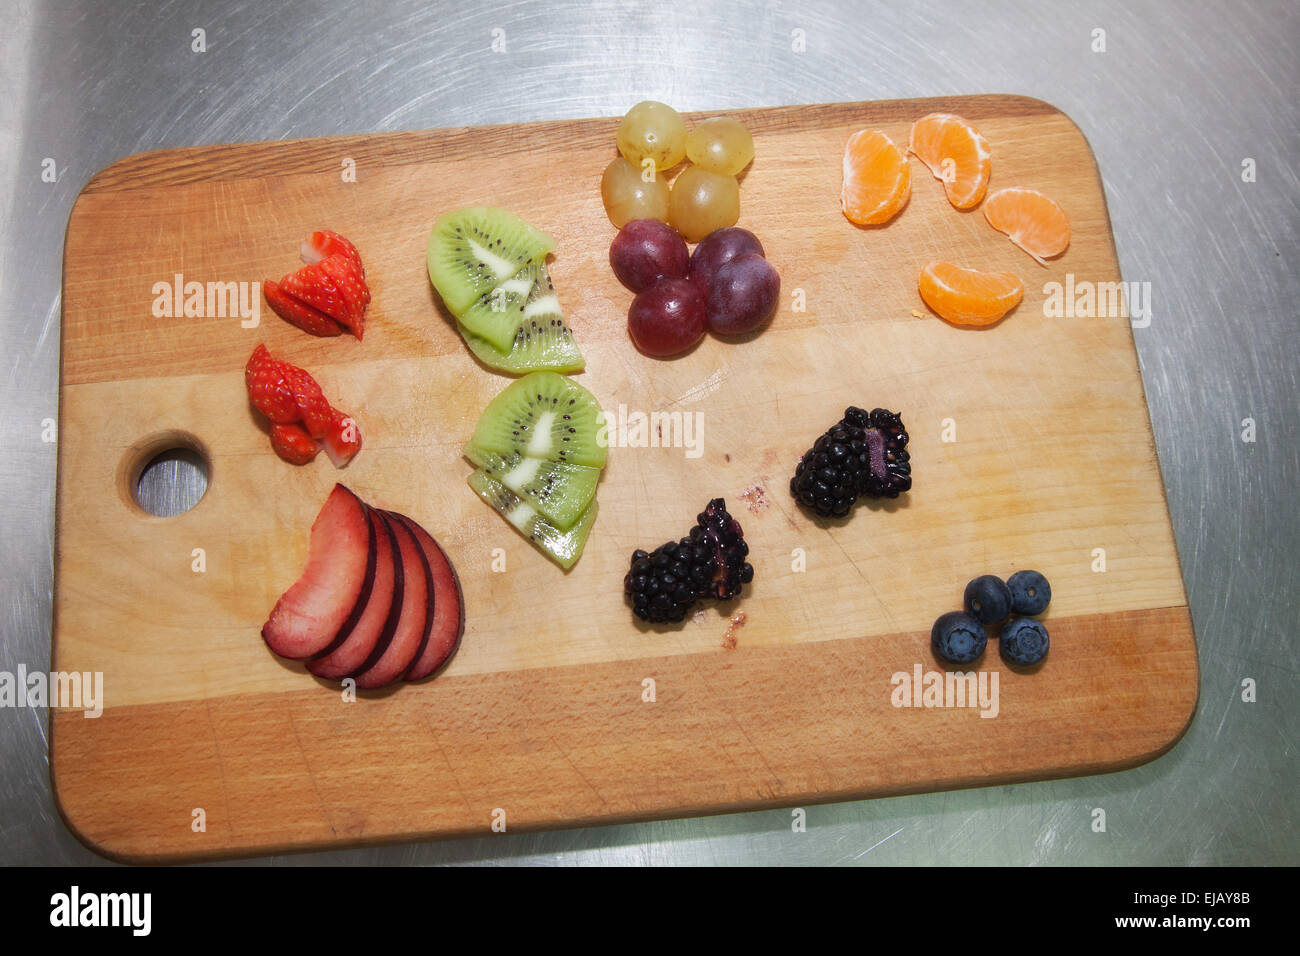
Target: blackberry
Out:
[862,455]
[708,563]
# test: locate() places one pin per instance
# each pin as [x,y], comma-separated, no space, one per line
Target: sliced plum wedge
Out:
[448,606]
[320,609]
[416,621]
[375,627]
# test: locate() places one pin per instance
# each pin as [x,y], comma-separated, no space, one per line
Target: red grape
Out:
[645,250]
[743,295]
[717,249]
[667,318]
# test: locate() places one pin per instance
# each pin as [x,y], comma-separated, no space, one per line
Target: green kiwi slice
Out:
[562,547]
[472,251]
[558,491]
[540,343]
[497,314]
[544,415]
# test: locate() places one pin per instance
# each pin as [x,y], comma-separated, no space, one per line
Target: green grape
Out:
[628,196]
[721,145]
[652,130]
[701,202]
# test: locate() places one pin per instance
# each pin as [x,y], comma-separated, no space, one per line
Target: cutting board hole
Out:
[168,474]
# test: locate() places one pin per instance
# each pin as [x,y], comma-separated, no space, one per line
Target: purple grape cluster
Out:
[726,286]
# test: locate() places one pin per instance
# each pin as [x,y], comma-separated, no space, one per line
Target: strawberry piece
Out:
[349,280]
[293,444]
[300,414]
[327,294]
[322,244]
[314,286]
[342,440]
[269,389]
[299,313]
[313,408]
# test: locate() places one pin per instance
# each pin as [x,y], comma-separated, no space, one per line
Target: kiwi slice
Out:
[562,547]
[543,415]
[518,326]
[560,492]
[495,315]
[472,251]
[538,344]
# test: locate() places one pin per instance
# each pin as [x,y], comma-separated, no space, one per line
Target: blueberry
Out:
[958,637]
[1030,592]
[988,598]
[1024,641]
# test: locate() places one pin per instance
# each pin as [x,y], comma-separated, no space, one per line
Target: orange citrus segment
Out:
[956,153]
[1032,221]
[877,181]
[967,296]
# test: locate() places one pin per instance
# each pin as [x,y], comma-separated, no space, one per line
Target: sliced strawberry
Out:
[314,286]
[350,282]
[448,606]
[299,313]
[342,440]
[300,414]
[313,408]
[322,244]
[330,289]
[320,610]
[374,629]
[293,444]
[269,389]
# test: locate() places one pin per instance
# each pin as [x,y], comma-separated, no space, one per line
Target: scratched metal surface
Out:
[1182,94]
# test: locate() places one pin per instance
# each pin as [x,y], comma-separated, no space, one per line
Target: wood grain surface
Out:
[541,713]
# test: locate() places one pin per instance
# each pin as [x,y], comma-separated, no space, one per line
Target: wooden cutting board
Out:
[1030,441]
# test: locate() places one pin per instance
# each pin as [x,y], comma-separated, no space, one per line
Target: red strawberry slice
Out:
[293,444]
[342,440]
[315,615]
[374,629]
[269,389]
[313,408]
[314,286]
[322,244]
[350,282]
[300,414]
[328,292]
[299,313]
[416,622]
[448,606]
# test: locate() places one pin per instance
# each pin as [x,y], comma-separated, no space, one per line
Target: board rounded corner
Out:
[95,844]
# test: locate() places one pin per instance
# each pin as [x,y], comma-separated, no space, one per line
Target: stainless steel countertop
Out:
[1183,93]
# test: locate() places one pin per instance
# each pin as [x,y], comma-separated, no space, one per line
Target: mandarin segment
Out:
[958,155]
[967,296]
[877,180]
[1030,219]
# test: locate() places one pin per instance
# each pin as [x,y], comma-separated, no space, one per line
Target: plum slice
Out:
[416,621]
[318,612]
[448,606]
[374,629]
